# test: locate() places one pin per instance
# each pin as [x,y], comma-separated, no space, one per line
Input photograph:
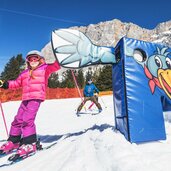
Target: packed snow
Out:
[86,143]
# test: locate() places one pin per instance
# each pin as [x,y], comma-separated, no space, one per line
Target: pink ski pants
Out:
[23,123]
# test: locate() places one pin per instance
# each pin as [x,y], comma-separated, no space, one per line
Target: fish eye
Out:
[158,61]
[168,63]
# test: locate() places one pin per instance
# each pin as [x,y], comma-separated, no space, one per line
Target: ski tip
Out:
[14,157]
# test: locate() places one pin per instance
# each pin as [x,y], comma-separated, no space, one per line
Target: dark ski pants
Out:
[93,99]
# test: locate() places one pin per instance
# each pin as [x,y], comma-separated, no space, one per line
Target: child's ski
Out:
[5,154]
[91,112]
[15,158]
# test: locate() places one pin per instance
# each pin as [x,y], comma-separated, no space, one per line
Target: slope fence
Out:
[51,93]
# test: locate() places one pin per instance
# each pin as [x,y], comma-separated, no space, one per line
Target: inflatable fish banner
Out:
[73,49]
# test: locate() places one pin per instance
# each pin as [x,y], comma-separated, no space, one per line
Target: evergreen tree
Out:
[96,74]
[68,79]
[53,81]
[13,68]
[80,78]
[104,81]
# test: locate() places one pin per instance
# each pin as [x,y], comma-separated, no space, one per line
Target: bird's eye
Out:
[158,62]
[168,63]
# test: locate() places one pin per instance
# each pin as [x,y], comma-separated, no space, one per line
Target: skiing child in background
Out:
[33,81]
[88,92]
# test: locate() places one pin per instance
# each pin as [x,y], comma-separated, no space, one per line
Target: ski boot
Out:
[38,145]
[25,151]
[78,112]
[8,147]
[100,110]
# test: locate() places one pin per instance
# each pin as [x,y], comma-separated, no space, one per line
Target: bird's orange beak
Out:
[164,77]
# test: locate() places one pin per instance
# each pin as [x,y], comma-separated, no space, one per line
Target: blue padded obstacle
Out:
[142,89]
[141,79]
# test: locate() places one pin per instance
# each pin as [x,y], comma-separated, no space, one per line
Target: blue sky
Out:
[27,24]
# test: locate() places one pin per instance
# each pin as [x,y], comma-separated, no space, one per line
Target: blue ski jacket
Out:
[89,90]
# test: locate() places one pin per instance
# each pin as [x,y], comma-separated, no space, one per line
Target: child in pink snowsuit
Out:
[33,82]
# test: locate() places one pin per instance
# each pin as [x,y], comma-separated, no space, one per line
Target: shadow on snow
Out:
[53,138]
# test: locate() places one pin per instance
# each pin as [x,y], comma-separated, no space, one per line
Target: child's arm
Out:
[14,84]
[52,68]
[96,89]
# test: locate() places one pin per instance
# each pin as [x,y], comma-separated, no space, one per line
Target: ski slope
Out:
[86,143]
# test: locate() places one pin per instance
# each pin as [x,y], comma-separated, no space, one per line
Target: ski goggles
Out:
[33,58]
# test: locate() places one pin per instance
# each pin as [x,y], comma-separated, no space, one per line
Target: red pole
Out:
[82,99]
[4,118]
[91,105]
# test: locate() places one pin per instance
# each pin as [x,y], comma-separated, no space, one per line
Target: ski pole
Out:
[91,105]
[103,102]
[78,89]
[4,118]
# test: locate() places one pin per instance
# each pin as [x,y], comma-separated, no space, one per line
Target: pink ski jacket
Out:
[34,87]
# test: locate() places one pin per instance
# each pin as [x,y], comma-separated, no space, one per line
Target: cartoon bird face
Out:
[156,62]
[157,68]
[160,67]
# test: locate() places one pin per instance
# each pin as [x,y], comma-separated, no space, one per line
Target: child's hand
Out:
[3,84]
[96,94]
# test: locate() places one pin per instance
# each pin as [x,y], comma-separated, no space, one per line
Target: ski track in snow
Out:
[88,142]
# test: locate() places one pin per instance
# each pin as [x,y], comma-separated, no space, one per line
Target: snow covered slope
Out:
[87,143]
